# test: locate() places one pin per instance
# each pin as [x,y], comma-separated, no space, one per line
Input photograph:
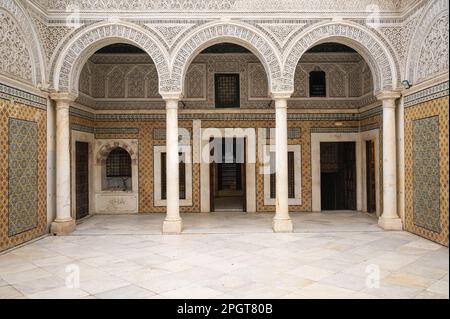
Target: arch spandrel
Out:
[77,51]
[15,9]
[220,32]
[377,56]
[432,13]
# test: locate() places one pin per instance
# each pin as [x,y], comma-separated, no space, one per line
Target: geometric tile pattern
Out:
[37,226]
[428,112]
[151,132]
[426,182]
[22,176]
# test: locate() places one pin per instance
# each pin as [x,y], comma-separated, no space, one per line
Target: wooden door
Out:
[212,185]
[244,177]
[82,179]
[212,178]
[350,175]
[370,177]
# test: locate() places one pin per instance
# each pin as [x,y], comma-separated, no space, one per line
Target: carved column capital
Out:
[63,98]
[388,95]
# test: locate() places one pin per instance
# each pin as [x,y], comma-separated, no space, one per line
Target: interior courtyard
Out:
[235,156]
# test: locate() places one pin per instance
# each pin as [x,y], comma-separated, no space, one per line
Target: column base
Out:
[390,223]
[282,225]
[172,226]
[61,228]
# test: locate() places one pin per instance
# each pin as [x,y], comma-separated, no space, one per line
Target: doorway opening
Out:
[370,177]
[228,175]
[338,175]
[82,179]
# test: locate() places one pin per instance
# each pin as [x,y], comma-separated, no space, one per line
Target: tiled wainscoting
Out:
[426,165]
[23,171]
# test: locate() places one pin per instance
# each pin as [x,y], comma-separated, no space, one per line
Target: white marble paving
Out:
[329,255]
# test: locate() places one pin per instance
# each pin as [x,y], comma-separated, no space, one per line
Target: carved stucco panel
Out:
[432,29]
[243,35]
[15,60]
[434,52]
[367,44]
[66,75]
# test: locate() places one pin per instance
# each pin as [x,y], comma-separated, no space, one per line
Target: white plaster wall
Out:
[400,117]
[51,163]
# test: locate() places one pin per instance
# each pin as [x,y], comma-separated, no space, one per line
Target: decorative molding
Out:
[431,93]
[20,96]
[82,128]
[116,130]
[227,6]
[228,116]
[354,129]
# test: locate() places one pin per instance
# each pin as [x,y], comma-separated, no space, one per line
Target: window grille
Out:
[182,177]
[118,163]
[227,90]
[317,84]
[291,176]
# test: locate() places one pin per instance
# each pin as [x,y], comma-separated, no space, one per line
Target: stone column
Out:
[389,219]
[173,223]
[64,223]
[282,221]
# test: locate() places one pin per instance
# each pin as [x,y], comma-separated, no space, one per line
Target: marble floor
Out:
[228,255]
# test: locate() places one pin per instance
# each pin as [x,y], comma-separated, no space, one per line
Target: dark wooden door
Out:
[370,176]
[244,177]
[212,176]
[212,185]
[350,175]
[82,179]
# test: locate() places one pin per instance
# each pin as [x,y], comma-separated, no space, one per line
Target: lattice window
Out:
[291,176]
[317,84]
[227,90]
[118,163]
[182,177]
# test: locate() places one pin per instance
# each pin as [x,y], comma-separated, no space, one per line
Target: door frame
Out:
[77,136]
[372,135]
[250,164]
[213,180]
[316,139]
[360,149]
[84,148]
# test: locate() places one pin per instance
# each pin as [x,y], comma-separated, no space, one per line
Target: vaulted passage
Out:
[227,175]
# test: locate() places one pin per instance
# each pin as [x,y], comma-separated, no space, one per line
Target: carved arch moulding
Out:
[78,50]
[104,151]
[428,52]
[219,32]
[31,45]
[381,62]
